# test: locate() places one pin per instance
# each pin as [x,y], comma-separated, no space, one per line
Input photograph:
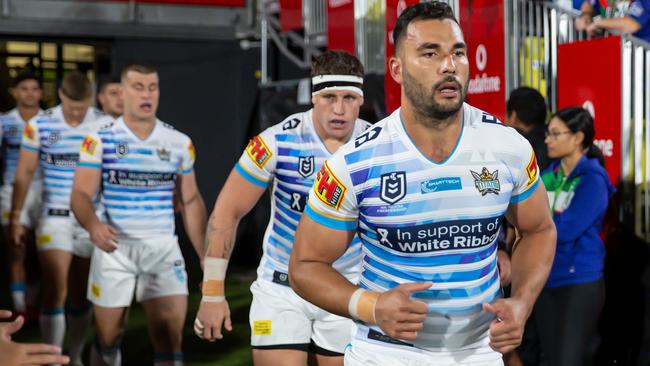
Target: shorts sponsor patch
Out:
[258,151]
[532,170]
[89,145]
[329,188]
[43,239]
[96,291]
[261,327]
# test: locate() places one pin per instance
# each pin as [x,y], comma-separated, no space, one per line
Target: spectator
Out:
[526,112]
[567,311]
[636,21]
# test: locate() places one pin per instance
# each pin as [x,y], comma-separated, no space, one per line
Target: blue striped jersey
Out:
[138,176]
[290,154]
[420,220]
[57,144]
[11,128]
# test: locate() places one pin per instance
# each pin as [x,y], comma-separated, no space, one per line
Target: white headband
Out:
[322,83]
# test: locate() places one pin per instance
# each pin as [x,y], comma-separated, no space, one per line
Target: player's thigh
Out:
[109,324]
[168,311]
[316,359]
[279,357]
[112,278]
[331,333]
[278,319]
[55,265]
[161,268]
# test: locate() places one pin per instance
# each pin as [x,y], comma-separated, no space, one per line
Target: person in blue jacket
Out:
[636,21]
[567,311]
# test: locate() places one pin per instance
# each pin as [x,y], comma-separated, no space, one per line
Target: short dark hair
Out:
[578,119]
[105,81]
[435,10]
[336,63]
[529,104]
[141,68]
[76,86]
[24,75]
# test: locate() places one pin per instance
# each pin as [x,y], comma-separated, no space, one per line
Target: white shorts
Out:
[151,268]
[63,233]
[279,317]
[31,209]
[362,353]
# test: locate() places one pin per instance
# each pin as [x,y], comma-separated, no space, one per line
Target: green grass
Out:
[233,350]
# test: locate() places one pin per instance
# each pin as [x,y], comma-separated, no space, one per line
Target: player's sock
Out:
[53,326]
[18,290]
[168,359]
[78,324]
[105,356]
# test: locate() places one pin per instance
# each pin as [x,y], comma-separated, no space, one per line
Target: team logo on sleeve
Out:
[258,151]
[306,165]
[192,151]
[29,132]
[329,188]
[486,182]
[531,170]
[89,145]
[368,135]
[393,187]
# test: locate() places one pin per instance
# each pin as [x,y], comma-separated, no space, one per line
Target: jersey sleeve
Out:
[640,12]
[90,152]
[259,159]
[526,175]
[332,202]
[31,139]
[188,158]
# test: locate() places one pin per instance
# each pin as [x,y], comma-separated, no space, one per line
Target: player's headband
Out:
[322,83]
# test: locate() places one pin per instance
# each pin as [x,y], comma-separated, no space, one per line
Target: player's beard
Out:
[423,99]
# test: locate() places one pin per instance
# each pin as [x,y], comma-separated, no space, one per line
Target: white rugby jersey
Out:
[138,176]
[11,128]
[419,220]
[290,153]
[57,144]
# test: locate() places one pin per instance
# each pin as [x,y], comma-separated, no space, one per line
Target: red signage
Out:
[240,3]
[596,86]
[340,25]
[393,90]
[291,15]
[483,26]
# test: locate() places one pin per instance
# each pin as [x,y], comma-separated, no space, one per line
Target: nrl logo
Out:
[306,165]
[486,182]
[393,187]
[122,149]
[163,154]
[53,137]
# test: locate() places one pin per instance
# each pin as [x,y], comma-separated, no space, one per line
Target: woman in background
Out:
[579,189]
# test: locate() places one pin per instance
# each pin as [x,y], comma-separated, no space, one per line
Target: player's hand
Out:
[507,329]
[15,354]
[398,315]
[505,267]
[210,319]
[592,29]
[17,233]
[104,237]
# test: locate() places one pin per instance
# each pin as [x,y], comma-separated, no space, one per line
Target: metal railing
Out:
[533,32]
[369,31]
[314,15]
[635,117]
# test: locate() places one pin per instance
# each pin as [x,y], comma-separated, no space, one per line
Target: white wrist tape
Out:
[214,274]
[362,305]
